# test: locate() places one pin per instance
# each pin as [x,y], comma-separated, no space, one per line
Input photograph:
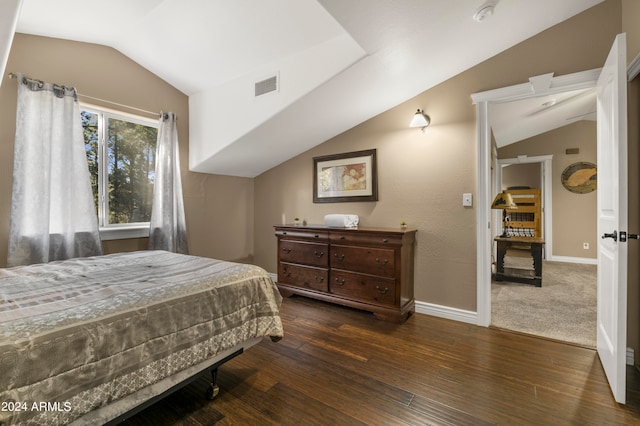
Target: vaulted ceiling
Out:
[337,63]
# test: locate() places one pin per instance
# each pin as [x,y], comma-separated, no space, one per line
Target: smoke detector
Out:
[485,11]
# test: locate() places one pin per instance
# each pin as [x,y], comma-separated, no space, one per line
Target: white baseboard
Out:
[569,259]
[447,312]
[433,310]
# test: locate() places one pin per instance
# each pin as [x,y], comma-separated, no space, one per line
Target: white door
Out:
[612,217]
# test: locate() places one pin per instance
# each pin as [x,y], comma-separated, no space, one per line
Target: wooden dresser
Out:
[365,268]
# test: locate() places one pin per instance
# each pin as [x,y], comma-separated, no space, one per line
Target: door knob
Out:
[624,236]
[613,235]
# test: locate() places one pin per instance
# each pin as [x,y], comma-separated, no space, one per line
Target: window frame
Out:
[114,231]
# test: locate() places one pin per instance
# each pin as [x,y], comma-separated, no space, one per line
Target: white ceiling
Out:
[340,62]
[517,120]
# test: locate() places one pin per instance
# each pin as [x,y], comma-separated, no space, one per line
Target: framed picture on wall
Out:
[351,176]
[580,177]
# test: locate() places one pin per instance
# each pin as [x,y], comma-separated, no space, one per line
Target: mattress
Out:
[80,334]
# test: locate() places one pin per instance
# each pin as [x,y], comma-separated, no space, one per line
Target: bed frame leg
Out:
[213,389]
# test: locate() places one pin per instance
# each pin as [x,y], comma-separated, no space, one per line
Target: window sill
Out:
[124,232]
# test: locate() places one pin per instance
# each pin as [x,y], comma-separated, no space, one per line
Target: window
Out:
[121,152]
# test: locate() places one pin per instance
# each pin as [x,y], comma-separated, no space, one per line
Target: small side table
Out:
[535,248]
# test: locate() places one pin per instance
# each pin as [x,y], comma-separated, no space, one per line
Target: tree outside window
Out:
[121,156]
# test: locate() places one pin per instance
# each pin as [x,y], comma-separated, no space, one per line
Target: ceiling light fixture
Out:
[485,11]
[420,119]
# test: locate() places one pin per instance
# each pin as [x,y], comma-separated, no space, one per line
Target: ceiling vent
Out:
[267,85]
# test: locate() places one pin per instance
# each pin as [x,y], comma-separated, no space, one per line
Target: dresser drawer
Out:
[374,261]
[363,287]
[302,252]
[354,238]
[303,276]
[304,234]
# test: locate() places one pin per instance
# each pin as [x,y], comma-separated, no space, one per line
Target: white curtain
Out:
[168,230]
[53,216]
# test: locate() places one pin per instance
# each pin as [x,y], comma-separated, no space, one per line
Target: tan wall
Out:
[526,174]
[630,15]
[574,215]
[219,210]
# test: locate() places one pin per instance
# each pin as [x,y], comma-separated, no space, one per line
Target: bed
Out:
[86,341]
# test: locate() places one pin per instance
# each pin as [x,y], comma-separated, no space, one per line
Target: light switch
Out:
[467,200]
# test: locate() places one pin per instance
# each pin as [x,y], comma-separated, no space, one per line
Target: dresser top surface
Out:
[358,229]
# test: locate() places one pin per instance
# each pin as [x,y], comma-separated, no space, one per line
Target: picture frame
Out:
[347,177]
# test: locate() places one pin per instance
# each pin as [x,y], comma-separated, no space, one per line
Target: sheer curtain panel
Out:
[168,230]
[53,216]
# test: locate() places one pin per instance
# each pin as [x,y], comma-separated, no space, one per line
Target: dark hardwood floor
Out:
[338,366]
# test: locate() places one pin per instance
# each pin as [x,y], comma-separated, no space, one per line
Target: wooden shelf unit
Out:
[526,220]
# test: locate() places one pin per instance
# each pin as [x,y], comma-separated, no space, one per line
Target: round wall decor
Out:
[580,178]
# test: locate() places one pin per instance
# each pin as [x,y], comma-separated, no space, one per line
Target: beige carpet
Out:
[564,308]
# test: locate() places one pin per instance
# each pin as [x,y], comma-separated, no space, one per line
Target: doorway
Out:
[487,183]
[564,307]
[544,162]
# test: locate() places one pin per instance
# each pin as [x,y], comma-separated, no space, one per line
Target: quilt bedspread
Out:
[78,334]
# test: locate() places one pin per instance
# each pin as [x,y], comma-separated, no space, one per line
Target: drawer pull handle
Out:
[317,236]
[338,256]
[319,279]
[385,240]
[382,291]
[340,281]
[287,273]
[318,254]
[342,237]
[284,233]
[382,262]
[286,250]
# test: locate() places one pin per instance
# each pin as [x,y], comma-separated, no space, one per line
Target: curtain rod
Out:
[159,114]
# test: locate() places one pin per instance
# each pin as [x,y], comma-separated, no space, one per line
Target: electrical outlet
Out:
[585,246]
[467,200]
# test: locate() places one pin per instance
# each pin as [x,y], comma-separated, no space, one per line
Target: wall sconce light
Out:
[420,119]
